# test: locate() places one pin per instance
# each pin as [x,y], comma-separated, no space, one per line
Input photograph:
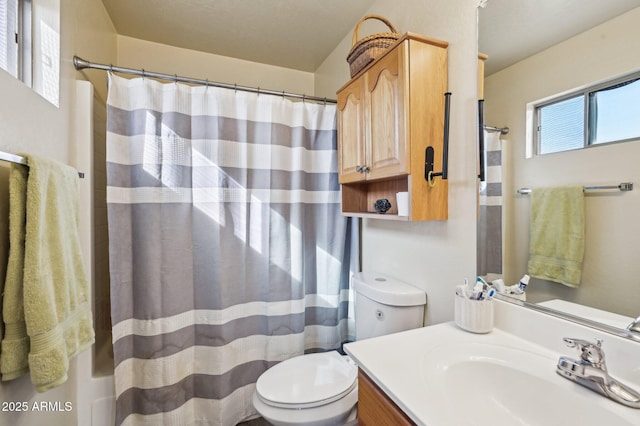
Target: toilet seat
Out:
[307,381]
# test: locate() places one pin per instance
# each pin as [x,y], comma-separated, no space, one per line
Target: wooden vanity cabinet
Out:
[374,406]
[387,116]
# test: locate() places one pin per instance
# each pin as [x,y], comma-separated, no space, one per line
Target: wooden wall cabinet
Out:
[388,114]
[482,57]
[374,406]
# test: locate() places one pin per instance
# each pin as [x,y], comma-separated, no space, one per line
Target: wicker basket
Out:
[371,47]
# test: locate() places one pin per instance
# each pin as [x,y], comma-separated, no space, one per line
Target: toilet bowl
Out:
[315,389]
[321,389]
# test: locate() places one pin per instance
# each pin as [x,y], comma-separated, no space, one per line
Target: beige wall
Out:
[136,53]
[611,267]
[95,39]
[28,123]
[434,256]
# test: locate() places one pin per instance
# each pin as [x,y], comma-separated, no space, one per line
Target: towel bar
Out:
[624,186]
[12,158]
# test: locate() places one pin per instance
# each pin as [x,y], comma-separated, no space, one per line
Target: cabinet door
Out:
[375,408]
[387,149]
[351,132]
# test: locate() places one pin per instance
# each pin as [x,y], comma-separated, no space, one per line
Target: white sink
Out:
[443,376]
[476,383]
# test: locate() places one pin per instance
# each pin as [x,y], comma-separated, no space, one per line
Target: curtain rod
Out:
[503,130]
[17,159]
[81,64]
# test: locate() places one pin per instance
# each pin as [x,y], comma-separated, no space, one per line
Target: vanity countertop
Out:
[402,365]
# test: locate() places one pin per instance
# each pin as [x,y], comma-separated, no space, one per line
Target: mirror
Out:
[538,50]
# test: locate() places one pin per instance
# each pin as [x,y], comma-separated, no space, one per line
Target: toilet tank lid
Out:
[389,291]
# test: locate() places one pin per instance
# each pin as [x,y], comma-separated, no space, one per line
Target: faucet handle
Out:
[590,353]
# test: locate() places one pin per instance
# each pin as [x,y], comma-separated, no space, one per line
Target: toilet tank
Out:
[384,305]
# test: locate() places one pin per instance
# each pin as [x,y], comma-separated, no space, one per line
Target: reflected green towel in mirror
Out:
[556,247]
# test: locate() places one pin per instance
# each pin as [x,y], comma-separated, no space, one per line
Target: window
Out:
[600,114]
[30,44]
[15,38]
[8,36]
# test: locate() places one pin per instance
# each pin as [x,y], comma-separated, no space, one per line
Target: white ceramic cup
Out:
[475,316]
[402,201]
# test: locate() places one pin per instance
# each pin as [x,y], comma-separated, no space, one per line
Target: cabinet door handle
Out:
[481,153]
[359,169]
[365,169]
[429,174]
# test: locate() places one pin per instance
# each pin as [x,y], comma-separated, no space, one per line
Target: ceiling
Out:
[300,34]
[511,30]
[296,34]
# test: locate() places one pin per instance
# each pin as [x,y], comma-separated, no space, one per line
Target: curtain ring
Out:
[325,101]
[304,97]
[283,94]
[235,87]
[143,75]
[258,90]
[110,68]
[206,86]
[175,78]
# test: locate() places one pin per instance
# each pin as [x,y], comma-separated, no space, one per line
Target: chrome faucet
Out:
[634,326]
[590,371]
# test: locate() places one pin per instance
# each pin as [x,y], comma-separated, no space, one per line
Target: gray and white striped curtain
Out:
[228,252]
[490,220]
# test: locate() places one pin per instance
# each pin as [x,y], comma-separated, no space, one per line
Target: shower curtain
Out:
[490,218]
[228,252]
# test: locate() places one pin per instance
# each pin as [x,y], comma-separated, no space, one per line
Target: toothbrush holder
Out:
[472,315]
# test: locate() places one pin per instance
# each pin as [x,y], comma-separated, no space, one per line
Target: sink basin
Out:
[441,375]
[474,383]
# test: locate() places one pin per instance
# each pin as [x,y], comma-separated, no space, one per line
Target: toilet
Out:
[322,388]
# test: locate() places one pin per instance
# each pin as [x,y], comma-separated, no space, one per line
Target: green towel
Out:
[556,247]
[4,235]
[15,345]
[55,289]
